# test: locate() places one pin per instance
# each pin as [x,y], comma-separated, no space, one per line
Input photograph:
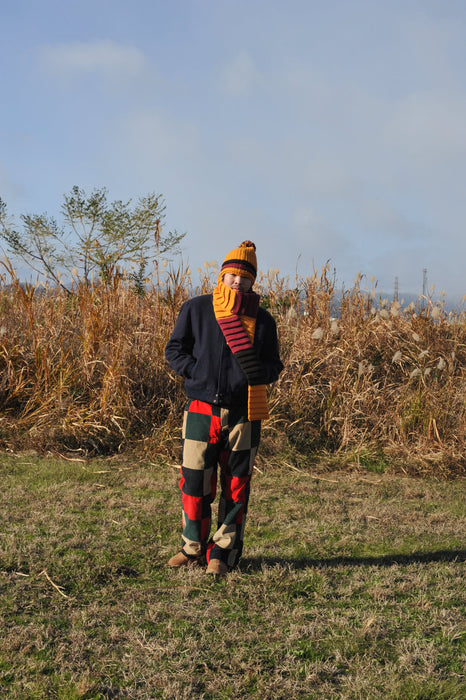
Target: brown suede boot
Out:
[181,559]
[217,568]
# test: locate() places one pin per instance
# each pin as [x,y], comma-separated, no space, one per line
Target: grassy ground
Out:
[351,586]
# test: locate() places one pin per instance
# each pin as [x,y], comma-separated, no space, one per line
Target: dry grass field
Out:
[371,381]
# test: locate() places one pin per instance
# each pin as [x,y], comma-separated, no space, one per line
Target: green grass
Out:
[351,586]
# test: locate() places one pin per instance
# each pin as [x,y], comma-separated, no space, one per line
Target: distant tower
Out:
[395,291]
[424,282]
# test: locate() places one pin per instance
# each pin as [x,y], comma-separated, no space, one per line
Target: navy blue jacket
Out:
[198,352]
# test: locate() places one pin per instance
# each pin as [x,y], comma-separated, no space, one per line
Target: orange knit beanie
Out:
[241,261]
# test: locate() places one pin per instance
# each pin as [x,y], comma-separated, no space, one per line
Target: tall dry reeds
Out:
[363,378]
[375,381]
[86,370]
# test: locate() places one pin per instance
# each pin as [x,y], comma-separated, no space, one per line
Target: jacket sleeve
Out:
[270,353]
[178,350]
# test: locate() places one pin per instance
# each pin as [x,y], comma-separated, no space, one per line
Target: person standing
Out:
[225,347]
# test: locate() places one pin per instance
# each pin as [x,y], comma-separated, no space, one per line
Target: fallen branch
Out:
[58,588]
[311,476]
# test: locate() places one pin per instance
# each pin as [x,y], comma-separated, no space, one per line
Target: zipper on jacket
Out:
[218,395]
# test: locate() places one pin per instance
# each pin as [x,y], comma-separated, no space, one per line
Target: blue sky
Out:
[320,129]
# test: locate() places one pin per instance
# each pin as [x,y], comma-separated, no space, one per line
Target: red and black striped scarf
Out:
[236,314]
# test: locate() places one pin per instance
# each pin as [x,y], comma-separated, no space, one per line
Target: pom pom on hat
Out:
[241,261]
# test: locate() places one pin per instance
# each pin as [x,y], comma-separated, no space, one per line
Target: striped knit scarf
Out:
[236,314]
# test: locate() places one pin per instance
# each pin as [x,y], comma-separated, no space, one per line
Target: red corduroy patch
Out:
[235,488]
[192,506]
[197,406]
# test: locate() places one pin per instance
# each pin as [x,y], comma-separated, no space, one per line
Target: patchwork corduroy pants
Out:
[213,437]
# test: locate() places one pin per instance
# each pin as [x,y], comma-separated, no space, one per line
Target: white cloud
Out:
[104,57]
[240,75]
[305,217]
[382,219]
[151,150]
[432,43]
[431,125]
[329,176]
[152,137]
[314,232]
